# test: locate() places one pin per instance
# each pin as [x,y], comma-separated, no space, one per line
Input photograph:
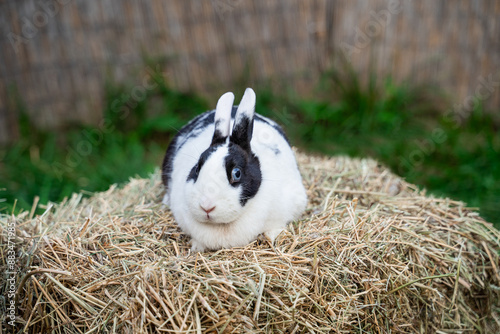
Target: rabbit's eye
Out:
[235,175]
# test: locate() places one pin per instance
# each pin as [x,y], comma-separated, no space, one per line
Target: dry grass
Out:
[370,255]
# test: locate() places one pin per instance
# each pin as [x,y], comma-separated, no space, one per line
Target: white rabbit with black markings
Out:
[231,175]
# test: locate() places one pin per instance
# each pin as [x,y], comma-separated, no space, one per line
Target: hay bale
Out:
[371,254]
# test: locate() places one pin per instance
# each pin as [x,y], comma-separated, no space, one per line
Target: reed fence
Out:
[56,55]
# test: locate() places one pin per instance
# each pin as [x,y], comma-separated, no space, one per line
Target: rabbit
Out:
[230,175]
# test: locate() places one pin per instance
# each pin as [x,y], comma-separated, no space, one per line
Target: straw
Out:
[371,254]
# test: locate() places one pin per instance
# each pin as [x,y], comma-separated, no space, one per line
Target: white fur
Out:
[223,112]
[280,199]
[247,105]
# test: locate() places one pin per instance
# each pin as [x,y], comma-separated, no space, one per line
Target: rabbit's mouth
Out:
[215,217]
[209,219]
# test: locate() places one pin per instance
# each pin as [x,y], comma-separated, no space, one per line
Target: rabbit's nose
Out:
[207,210]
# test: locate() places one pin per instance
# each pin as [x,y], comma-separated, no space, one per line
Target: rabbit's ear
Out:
[222,118]
[243,123]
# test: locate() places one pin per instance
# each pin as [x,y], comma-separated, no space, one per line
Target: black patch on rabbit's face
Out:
[249,166]
[195,171]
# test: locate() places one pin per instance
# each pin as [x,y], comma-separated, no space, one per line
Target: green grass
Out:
[403,126]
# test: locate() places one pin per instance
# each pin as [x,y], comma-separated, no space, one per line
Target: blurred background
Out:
[91,92]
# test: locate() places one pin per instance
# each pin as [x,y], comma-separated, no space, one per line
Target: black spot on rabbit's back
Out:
[275,149]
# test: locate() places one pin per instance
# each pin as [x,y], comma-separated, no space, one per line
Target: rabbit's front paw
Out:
[197,246]
[273,234]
